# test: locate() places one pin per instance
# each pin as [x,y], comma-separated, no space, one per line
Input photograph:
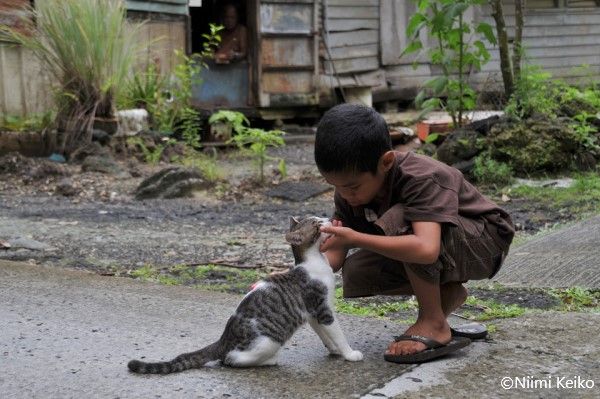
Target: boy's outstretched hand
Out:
[341,237]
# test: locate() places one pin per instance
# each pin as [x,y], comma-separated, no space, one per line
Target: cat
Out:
[273,310]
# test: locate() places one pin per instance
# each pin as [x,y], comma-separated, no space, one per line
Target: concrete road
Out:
[564,258]
[69,334]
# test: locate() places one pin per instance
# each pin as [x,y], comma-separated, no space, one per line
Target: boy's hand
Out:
[341,237]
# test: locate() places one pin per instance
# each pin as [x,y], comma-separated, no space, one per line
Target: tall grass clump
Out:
[88,47]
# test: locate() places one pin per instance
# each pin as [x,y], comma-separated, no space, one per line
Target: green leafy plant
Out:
[585,131]
[252,141]
[577,298]
[205,163]
[255,142]
[167,98]
[491,172]
[88,47]
[534,93]
[455,53]
[236,120]
[143,87]
[151,156]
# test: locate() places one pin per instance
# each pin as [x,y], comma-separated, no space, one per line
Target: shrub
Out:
[490,172]
[88,47]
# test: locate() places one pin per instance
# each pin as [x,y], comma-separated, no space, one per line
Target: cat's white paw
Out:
[354,356]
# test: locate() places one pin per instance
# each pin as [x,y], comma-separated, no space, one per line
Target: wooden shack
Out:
[318,52]
[306,54]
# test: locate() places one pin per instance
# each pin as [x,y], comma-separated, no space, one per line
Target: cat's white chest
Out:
[318,268]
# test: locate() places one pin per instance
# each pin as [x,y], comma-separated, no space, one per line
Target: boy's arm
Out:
[423,246]
[336,257]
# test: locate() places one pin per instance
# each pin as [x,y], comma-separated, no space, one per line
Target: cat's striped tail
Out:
[182,362]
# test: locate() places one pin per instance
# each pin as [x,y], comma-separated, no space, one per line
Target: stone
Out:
[102,164]
[66,188]
[100,136]
[132,121]
[93,148]
[460,145]
[173,182]
[28,243]
[535,145]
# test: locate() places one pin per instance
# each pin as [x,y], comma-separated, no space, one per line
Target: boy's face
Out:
[362,188]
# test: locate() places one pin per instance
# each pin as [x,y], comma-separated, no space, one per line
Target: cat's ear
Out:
[293,222]
[294,237]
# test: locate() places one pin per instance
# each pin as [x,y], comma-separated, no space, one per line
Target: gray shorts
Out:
[474,250]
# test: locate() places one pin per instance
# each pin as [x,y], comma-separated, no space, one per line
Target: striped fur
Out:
[271,313]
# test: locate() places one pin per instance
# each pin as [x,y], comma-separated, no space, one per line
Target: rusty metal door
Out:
[288,53]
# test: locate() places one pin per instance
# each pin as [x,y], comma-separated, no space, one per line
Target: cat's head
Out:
[306,232]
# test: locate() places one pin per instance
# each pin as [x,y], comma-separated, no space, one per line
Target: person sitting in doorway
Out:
[234,38]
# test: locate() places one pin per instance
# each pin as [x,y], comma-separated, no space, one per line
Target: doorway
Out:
[225,84]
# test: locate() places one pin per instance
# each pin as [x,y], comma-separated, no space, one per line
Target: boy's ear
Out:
[387,160]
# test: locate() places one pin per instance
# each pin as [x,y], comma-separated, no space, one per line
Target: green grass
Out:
[488,309]
[577,299]
[582,198]
[371,309]
[211,277]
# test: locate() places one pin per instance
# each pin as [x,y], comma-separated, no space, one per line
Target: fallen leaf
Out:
[505,198]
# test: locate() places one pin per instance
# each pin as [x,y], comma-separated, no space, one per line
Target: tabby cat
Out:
[271,313]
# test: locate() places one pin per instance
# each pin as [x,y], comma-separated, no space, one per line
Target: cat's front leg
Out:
[334,332]
[329,344]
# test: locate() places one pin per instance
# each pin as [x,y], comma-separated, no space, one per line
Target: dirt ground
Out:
[104,229]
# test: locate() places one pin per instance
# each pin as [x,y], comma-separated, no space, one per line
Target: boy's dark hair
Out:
[350,139]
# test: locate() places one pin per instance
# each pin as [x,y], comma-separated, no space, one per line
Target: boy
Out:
[422,229]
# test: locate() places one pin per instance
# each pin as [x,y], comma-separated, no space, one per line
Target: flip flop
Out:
[434,349]
[470,330]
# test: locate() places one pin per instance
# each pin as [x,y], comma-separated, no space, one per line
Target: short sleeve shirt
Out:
[428,191]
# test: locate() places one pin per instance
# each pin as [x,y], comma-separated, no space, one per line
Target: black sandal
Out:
[470,330]
[434,349]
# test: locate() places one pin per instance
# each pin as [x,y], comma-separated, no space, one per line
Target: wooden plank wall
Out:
[560,40]
[353,36]
[26,90]
[24,86]
[164,37]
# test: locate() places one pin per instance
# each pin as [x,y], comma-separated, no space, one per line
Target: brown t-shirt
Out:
[419,188]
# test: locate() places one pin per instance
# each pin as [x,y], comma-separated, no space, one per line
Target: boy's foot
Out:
[436,330]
